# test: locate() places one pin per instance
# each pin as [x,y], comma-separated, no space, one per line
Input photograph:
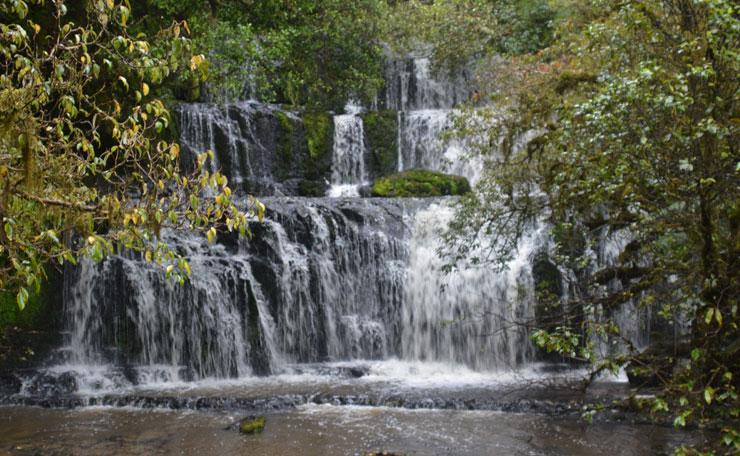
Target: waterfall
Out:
[411,85]
[423,143]
[126,311]
[322,279]
[348,157]
[473,315]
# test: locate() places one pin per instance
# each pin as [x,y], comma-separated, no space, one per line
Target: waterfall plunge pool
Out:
[322,430]
[347,408]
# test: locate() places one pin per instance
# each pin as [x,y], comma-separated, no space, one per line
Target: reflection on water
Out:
[321,431]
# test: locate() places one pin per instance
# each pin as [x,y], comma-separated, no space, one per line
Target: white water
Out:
[472,315]
[320,284]
[348,158]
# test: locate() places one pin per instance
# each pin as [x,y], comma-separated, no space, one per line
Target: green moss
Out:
[252,425]
[284,144]
[381,130]
[319,130]
[420,182]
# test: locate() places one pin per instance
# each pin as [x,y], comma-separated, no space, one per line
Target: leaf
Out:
[145,88]
[709,315]
[196,61]
[211,235]
[260,211]
[708,394]
[22,298]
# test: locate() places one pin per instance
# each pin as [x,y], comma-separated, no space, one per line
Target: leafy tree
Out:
[298,52]
[461,31]
[84,171]
[636,117]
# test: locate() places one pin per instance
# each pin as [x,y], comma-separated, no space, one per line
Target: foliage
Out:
[460,31]
[419,183]
[636,110]
[82,170]
[296,52]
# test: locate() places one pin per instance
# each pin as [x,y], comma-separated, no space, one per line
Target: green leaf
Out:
[22,298]
[260,211]
[211,235]
[708,394]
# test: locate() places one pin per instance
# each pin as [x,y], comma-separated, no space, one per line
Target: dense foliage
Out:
[459,32]
[296,52]
[635,117]
[83,168]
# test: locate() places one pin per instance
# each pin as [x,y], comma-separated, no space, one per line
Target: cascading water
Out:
[348,158]
[322,279]
[410,86]
[474,315]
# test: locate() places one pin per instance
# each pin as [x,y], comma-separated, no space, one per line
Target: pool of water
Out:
[322,430]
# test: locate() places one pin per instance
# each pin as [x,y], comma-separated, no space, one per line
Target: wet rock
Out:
[49,386]
[252,424]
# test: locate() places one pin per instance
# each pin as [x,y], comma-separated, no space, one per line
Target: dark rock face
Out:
[262,149]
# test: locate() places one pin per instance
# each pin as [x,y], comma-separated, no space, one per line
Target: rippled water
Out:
[321,431]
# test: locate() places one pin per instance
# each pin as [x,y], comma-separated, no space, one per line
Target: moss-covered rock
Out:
[252,424]
[319,130]
[381,132]
[420,182]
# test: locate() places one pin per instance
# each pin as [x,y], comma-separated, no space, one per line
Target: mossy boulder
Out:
[252,425]
[420,183]
[381,133]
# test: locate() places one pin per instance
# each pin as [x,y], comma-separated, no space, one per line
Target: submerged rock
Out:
[252,424]
[420,182]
